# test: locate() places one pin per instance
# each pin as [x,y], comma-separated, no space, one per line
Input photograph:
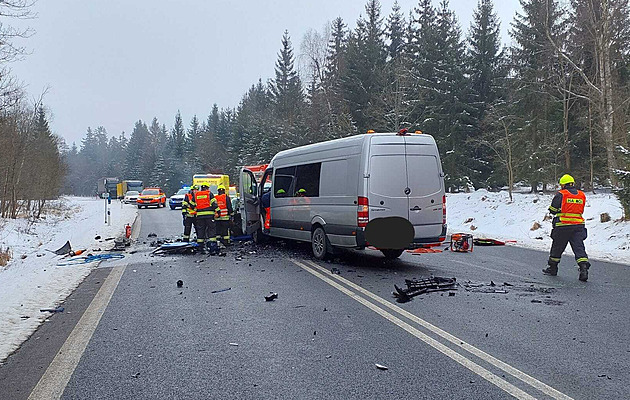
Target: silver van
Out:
[384,190]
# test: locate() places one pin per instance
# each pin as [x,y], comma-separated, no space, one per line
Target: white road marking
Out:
[54,381]
[498,271]
[445,335]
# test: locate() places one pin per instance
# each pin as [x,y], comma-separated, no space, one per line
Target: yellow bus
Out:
[212,180]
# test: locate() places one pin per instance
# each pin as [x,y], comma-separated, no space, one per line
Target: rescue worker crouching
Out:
[188,212]
[206,207]
[222,217]
[568,227]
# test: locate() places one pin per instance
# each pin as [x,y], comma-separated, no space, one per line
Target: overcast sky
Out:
[113,62]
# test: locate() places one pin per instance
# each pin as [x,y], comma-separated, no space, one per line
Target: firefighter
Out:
[222,218]
[206,207]
[189,212]
[568,227]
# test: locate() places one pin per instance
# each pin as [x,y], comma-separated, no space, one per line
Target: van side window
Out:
[307,180]
[283,182]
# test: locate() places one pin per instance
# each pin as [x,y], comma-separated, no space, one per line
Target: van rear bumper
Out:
[417,242]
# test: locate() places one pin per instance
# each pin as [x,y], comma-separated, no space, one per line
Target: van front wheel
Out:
[391,254]
[320,243]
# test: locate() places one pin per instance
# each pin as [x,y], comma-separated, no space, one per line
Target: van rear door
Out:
[387,178]
[425,181]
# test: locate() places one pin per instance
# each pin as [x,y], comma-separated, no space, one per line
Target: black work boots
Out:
[552,270]
[584,270]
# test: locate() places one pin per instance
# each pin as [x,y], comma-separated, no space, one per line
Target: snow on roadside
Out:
[492,215]
[34,282]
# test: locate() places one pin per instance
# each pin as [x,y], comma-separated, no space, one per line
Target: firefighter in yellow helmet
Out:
[222,218]
[206,207]
[189,212]
[568,227]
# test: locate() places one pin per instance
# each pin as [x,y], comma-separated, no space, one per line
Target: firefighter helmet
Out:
[566,179]
[221,187]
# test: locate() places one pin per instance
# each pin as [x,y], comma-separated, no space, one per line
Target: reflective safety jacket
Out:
[206,203]
[225,205]
[568,207]
[189,206]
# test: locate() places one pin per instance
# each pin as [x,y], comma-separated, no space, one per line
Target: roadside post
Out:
[108,218]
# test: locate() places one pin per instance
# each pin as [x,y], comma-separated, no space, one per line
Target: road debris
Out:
[152,234]
[335,271]
[233,344]
[180,283]
[53,310]
[221,290]
[271,297]
[382,367]
[421,286]
[65,249]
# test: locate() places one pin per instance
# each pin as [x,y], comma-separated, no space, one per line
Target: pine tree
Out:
[364,77]
[338,117]
[486,68]
[424,51]
[286,88]
[533,61]
[178,137]
[395,99]
[485,56]
[139,142]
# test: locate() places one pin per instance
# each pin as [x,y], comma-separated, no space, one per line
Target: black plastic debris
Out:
[335,271]
[65,249]
[97,237]
[221,290]
[53,310]
[152,234]
[180,283]
[421,286]
[271,297]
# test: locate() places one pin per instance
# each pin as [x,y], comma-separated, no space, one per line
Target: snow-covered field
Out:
[492,215]
[32,281]
[35,282]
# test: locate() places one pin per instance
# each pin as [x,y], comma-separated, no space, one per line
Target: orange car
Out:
[152,197]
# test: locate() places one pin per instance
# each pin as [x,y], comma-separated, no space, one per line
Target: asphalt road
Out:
[546,337]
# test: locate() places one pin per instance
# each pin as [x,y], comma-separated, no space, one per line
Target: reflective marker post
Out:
[108,217]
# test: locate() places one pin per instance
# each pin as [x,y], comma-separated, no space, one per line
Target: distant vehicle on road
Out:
[212,180]
[108,186]
[152,197]
[176,200]
[126,186]
[131,196]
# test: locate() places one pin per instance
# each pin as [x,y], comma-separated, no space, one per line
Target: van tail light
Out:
[363,212]
[444,210]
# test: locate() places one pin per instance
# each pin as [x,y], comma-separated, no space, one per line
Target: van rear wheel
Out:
[392,254]
[320,244]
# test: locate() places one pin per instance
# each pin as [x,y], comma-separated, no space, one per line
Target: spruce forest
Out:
[554,101]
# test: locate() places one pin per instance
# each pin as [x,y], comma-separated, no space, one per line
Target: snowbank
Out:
[32,280]
[486,214]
